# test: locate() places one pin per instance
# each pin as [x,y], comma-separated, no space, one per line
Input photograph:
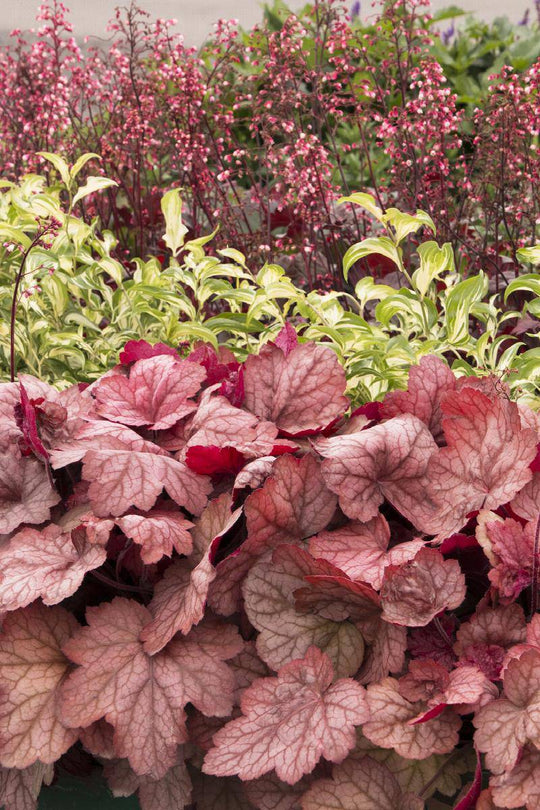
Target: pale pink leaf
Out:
[301,391]
[270,793]
[487,458]
[98,739]
[96,435]
[217,423]
[293,504]
[289,722]
[361,549]
[49,564]
[526,503]
[390,725]
[144,697]
[428,381]
[520,787]
[413,593]
[32,670]
[360,783]
[172,791]
[511,548]
[26,495]
[286,634]
[504,726]
[247,667]
[9,430]
[485,638]
[388,460]
[180,597]
[254,473]
[286,339]
[158,532]
[385,652]
[121,479]
[157,393]
[19,789]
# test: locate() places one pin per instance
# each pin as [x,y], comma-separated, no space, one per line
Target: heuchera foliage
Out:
[239,595]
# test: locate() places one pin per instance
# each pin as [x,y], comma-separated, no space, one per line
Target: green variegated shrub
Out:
[77,304]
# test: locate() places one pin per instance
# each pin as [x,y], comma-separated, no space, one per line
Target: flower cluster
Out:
[228,589]
[266,129]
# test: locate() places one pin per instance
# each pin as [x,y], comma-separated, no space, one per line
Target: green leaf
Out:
[93,184]
[434,261]
[175,230]
[373,244]
[81,163]
[365,201]
[530,282]
[59,164]
[458,304]
[405,224]
[529,254]
[11,233]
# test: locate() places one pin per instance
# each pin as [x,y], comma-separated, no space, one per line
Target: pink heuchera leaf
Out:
[98,739]
[360,550]
[286,339]
[284,632]
[293,504]
[223,793]
[253,474]
[413,593]
[93,435]
[301,391]
[390,725]
[428,381]
[511,552]
[212,460]
[270,793]
[171,792]
[180,597]
[289,722]
[50,564]
[9,398]
[157,392]
[385,461]
[360,783]
[429,681]
[27,422]
[19,789]
[120,479]
[144,697]
[487,458]
[504,726]
[430,642]
[485,801]
[532,640]
[484,639]
[385,653]
[221,367]
[142,350]
[46,416]
[26,495]
[217,423]
[157,533]
[247,667]
[526,503]
[468,801]
[520,787]
[32,670]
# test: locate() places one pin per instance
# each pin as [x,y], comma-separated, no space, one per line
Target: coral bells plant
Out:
[224,587]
